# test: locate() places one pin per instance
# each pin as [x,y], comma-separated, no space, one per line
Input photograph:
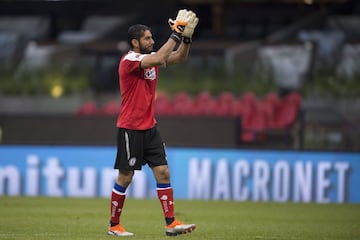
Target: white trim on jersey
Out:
[134,56]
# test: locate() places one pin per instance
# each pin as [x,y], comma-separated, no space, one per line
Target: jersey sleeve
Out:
[132,61]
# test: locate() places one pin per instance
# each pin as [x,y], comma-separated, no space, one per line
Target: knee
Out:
[124,178]
[162,174]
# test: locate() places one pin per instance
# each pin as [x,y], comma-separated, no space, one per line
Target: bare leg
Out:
[124,178]
[161,174]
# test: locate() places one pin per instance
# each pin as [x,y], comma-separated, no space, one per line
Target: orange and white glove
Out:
[178,25]
[192,21]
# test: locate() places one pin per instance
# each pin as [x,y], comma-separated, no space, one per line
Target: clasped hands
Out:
[185,23]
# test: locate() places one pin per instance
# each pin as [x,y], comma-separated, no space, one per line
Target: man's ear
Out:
[135,43]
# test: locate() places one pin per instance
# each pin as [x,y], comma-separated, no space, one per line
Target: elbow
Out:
[182,59]
[161,60]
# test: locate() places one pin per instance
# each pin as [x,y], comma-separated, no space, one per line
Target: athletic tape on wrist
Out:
[175,36]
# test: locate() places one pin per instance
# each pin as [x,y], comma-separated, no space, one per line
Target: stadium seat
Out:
[163,105]
[241,109]
[87,108]
[183,108]
[181,96]
[226,97]
[268,110]
[273,99]
[248,97]
[204,104]
[182,104]
[222,109]
[287,112]
[204,96]
[253,127]
[225,102]
[111,108]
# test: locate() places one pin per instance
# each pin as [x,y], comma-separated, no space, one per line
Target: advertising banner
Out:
[196,173]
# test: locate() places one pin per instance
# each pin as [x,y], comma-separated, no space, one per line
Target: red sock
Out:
[166,198]
[117,203]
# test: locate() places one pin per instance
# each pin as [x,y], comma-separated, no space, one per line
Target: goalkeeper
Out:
[138,140]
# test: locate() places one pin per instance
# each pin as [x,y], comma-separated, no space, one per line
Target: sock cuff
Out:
[163,185]
[119,188]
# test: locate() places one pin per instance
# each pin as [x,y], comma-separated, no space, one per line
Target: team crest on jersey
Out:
[132,161]
[150,73]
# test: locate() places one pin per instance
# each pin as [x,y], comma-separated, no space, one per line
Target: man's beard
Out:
[144,50]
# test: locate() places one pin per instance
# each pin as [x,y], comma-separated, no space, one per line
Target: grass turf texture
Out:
[83,218]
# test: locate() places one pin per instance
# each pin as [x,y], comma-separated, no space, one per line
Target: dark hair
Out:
[136,32]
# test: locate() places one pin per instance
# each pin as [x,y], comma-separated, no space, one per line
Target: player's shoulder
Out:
[133,56]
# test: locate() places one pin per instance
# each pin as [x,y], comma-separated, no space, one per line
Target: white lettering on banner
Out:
[302,182]
[267,182]
[323,182]
[84,188]
[108,178]
[342,168]
[53,173]
[261,180]
[242,180]
[138,186]
[10,181]
[222,181]
[78,182]
[32,176]
[281,182]
[241,172]
[199,184]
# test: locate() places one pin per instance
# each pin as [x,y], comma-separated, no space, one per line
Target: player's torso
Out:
[137,87]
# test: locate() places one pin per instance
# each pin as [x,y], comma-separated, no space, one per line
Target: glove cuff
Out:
[176,36]
[187,40]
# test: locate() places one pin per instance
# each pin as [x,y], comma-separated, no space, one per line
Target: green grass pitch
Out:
[86,218]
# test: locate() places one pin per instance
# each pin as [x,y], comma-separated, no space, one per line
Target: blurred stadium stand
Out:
[272,117]
[289,37]
[92,29]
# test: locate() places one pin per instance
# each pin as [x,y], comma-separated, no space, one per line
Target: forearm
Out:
[167,49]
[180,55]
[161,56]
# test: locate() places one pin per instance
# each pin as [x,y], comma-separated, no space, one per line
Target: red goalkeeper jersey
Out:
[137,89]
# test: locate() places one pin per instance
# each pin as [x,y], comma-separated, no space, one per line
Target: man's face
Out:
[146,43]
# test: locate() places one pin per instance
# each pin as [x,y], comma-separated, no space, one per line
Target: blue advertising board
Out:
[196,173]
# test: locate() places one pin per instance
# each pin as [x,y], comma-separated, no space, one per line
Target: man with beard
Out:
[139,141]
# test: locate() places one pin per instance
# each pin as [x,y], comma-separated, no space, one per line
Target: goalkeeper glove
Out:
[191,24]
[178,25]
